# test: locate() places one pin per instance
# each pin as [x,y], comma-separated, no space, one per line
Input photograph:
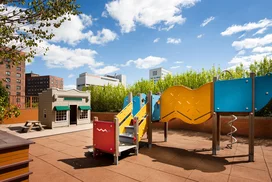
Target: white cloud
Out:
[242,36]
[262,49]
[104,14]
[86,19]
[147,12]
[242,52]
[166,28]
[71,32]
[247,27]
[178,62]
[156,40]
[173,41]
[74,31]
[145,63]
[174,67]
[261,31]
[62,57]
[247,60]
[252,42]
[103,37]
[71,76]
[69,87]
[188,67]
[200,36]
[207,21]
[105,70]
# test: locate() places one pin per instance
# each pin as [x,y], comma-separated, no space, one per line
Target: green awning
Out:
[62,108]
[84,107]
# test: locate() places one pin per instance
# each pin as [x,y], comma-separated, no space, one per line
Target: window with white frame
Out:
[61,115]
[83,114]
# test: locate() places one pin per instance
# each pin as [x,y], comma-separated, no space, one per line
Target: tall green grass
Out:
[110,98]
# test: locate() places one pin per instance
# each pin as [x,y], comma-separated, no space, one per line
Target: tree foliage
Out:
[6,110]
[110,98]
[25,24]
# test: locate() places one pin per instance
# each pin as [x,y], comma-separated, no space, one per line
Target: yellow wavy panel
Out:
[191,106]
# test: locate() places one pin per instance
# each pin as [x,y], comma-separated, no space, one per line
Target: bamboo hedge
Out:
[110,98]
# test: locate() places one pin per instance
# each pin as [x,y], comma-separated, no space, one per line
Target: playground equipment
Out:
[235,97]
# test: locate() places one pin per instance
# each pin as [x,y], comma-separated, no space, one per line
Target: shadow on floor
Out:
[188,160]
[90,162]
[18,129]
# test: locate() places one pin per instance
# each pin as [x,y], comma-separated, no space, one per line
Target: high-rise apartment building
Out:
[158,73]
[35,83]
[13,78]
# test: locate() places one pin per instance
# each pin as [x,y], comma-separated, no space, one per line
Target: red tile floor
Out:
[185,157]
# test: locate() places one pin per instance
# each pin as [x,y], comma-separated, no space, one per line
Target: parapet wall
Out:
[263,125]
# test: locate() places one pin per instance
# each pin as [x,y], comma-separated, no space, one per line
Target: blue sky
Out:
[132,36]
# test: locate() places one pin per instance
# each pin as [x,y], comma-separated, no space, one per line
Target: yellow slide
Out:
[125,117]
[142,117]
[191,106]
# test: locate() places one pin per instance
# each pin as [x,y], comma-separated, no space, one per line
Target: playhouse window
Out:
[83,114]
[61,115]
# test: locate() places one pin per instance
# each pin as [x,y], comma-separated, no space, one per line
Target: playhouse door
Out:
[73,114]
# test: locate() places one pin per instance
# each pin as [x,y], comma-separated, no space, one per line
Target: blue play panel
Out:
[233,95]
[156,107]
[125,103]
[137,103]
[263,91]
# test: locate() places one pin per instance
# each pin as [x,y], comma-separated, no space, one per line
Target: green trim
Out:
[73,98]
[84,107]
[62,108]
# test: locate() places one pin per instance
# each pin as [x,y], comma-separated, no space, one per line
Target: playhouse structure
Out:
[58,108]
[235,97]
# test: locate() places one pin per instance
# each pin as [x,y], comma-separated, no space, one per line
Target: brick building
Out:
[13,78]
[35,83]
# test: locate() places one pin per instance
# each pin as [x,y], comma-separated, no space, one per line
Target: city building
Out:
[86,79]
[158,73]
[13,78]
[35,84]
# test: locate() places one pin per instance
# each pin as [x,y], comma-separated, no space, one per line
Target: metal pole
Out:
[214,132]
[218,132]
[165,131]
[251,122]
[215,127]
[149,121]
[136,135]
[116,153]
[94,150]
